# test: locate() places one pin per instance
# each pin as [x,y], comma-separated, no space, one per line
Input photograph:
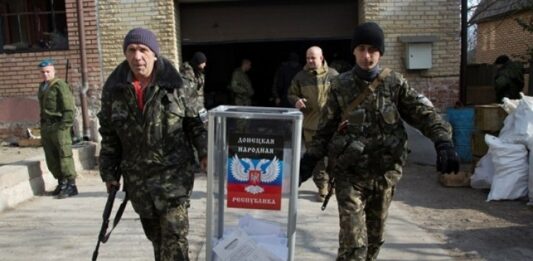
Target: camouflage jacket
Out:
[151,149]
[314,86]
[194,82]
[57,104]
[241,86]
[375,139]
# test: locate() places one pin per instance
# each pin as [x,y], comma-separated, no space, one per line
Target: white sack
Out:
[510,169]
[518,125]
[483,174]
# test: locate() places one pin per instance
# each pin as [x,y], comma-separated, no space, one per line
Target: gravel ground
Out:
[472,228]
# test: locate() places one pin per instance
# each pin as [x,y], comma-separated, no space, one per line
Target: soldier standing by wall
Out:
[57,116]
[308,92]
[148,132]
[369,142]
[241,86]
[509,78]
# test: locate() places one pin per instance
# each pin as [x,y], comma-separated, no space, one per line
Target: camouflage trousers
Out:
[168,234]
[320,175]
[363,203]
[57,146]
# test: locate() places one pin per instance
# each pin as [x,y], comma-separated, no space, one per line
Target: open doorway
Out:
[266,56]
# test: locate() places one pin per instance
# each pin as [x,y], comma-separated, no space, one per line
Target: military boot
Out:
[68,190]
[60,183]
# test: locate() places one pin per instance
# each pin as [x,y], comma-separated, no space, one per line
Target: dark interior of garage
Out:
[266,57]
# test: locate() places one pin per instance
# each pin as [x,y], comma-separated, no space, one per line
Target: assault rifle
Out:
[103,236]
[330,193]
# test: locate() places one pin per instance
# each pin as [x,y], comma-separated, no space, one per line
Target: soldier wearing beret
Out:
[57,116]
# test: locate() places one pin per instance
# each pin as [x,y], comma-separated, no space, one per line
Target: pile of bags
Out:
[505,168]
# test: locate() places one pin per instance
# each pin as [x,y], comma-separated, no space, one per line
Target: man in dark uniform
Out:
[283,78]
[509,79]
[57,116]
[368,142]
[148,130]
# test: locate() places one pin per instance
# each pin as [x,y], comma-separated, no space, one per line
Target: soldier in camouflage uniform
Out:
[370,146]
[57,116]
[148,132]
[193,72]
[241,86]
[308,92]
[509,78]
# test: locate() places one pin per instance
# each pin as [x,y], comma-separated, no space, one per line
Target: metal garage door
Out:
[265,21]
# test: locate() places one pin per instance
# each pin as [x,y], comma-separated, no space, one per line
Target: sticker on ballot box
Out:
[255,171]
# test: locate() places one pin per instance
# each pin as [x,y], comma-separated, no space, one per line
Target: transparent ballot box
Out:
[252,188]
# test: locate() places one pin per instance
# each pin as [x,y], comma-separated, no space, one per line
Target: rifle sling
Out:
[118,215]
[372,87]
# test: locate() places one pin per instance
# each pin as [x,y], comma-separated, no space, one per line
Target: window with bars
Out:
[32,25]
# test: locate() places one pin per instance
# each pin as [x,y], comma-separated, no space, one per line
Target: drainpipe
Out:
[530,84]
[85,84]
[464,52]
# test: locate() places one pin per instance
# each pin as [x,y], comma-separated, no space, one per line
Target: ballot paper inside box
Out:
[253,240]
[252,186]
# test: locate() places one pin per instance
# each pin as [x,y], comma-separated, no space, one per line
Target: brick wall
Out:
[116,18]
[503,36]
[440,18]
[19,75]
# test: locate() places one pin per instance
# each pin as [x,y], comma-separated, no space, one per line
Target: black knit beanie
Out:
[142,36]
[502,59]
[369,33]
[198,58]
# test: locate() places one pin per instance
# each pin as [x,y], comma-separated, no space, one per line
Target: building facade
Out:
[226,29]
[499,33]
[35,30]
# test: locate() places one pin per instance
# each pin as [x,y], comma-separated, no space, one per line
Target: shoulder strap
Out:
[372,87]
[54,81]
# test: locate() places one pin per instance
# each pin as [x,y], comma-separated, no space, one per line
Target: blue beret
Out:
[46,62]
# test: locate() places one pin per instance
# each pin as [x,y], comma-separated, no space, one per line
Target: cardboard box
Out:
[479,147]
[489,118]
[461,179]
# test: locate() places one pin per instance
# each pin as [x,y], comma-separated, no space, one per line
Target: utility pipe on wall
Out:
[85,84]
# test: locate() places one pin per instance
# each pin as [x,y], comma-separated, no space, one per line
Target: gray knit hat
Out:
[369,33]
[142,36]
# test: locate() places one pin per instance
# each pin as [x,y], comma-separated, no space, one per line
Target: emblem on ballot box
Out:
[245,170]
[255,172]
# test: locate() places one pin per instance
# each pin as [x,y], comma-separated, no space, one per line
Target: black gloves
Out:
[307,164]
[447,157]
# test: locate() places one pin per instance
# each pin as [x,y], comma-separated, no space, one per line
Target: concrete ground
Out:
[50,229]
[67,229]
